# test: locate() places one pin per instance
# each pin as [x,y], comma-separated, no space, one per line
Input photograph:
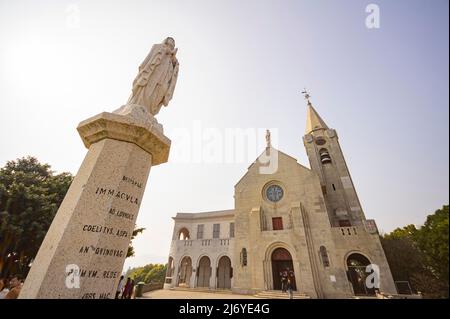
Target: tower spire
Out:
[313,119]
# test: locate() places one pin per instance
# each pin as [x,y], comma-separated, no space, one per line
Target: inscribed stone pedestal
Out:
[92,228]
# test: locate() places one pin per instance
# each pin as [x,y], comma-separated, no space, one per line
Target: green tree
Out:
[30,194]
[404,258]
[156,275]
[151,273]
[420,255]
[432,240]
[408,231]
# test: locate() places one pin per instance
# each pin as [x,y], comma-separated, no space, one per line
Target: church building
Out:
[305,221]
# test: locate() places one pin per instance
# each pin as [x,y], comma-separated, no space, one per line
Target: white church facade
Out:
[307,220]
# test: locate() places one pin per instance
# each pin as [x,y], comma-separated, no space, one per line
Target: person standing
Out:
[289,288]
[119,287]
[291,276]
[130,293]
[284,277]
[15,285]
[281,279]
[3,288]
[126,289]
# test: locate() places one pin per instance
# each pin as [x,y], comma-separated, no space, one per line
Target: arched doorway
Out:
[282,261]
[224,273]
[356,273]
[203,272]
[185,272]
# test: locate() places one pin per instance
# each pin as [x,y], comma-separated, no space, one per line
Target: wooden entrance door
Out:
[224,273]
[204,272]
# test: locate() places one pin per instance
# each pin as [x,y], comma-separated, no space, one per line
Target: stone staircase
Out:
[278,294]
[364,297]
[202,289]
[389,296]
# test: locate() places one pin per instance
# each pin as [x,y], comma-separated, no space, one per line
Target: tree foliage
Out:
[432,240]
[420,255]
[137,231]
[151,273]
[30,194]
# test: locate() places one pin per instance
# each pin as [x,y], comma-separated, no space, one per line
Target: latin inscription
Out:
[105,230]
[101,251]
[118,194]
[132,181]
[120,213]
[93,295]
[86,273]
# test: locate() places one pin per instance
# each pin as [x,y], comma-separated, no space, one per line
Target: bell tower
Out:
[327,160]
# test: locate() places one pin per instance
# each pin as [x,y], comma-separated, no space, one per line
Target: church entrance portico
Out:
[279,259]
[282,265]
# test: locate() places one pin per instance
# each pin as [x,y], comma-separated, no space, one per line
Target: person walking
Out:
[130,293]
[126,289]
[289,288]
[291,276]
[119,287]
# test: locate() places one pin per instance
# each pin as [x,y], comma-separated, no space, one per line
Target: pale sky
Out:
[242,65]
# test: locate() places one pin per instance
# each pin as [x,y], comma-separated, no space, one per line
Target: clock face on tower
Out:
[274,193]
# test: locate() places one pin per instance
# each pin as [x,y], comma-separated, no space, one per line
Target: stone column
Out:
[174,277]
[83,253]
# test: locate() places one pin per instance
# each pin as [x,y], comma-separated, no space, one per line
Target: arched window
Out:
[183,234]
[324,256]
[324,156]
[244,257]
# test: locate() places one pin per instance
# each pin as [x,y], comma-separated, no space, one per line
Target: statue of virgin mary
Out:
[154,85]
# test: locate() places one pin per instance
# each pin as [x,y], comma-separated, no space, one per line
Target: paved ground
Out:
[189,294]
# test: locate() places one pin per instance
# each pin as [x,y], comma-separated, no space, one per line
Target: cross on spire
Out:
[313,119]
[306,95]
